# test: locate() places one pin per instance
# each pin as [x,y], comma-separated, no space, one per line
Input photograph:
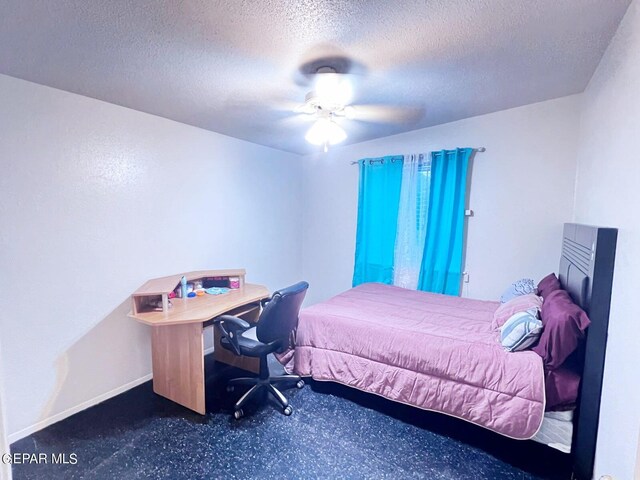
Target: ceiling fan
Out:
[329,101]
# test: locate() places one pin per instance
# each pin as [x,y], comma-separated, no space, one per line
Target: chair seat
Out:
[249,344]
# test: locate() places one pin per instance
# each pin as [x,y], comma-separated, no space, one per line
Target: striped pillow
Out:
[520,332]
[531,303]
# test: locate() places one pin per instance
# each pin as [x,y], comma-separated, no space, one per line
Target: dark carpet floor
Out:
[334,432]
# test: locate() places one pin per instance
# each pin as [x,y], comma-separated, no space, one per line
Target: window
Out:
[422,207]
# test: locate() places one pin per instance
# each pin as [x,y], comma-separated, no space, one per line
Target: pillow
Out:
[564,326]
[548,284]
[521,287]
[561,388]
[520,331]
[524,303]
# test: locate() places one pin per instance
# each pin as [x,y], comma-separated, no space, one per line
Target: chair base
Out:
[268,383]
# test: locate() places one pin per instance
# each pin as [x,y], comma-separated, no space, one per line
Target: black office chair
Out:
[279,318]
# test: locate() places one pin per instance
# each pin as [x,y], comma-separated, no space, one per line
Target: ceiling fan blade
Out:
[384,113]
[296,121]
[285,105]
[267,104]
[304,108]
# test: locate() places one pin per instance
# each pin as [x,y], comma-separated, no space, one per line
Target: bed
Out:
[430,351]
[440,353]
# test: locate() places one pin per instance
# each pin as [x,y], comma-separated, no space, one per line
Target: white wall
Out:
[521,193]
[5,468]
[607,194]
[95,200]
[637,474]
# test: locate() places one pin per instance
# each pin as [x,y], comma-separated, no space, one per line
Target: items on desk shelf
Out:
[216,290]
[183,285]
[157,304]
[209,282]
[198,292]
[197,284]
[234,282]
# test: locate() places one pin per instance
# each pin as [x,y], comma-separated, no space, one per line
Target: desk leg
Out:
[178,364]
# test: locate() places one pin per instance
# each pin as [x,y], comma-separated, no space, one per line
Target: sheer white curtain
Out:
[412,220]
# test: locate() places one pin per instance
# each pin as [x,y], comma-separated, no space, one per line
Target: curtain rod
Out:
[479,149]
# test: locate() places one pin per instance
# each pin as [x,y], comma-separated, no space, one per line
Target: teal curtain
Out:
[441,269]
[378,202]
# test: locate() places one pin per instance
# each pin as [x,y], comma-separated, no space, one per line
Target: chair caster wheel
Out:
[300,384]
[238,414]
[230,388]
[287,410]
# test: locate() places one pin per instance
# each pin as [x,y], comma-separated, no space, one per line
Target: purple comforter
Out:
[431,351]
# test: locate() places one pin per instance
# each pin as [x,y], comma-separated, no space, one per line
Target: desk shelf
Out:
[157,290]
[204,308]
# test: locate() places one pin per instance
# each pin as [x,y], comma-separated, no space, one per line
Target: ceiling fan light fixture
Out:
[333,88]
[325,131]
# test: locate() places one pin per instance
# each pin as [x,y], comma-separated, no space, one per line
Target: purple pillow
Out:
[564,326]
[561,388]
[548,284]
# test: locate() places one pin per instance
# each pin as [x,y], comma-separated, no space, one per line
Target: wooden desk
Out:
[177,346]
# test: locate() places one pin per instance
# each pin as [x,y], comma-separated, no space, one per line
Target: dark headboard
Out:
[586,272]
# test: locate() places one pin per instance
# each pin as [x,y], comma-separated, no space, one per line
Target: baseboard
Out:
[25,432]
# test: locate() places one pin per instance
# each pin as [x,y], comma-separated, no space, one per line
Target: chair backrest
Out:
[280,315]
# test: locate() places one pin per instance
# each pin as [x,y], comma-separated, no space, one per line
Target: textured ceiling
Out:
[227,65]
